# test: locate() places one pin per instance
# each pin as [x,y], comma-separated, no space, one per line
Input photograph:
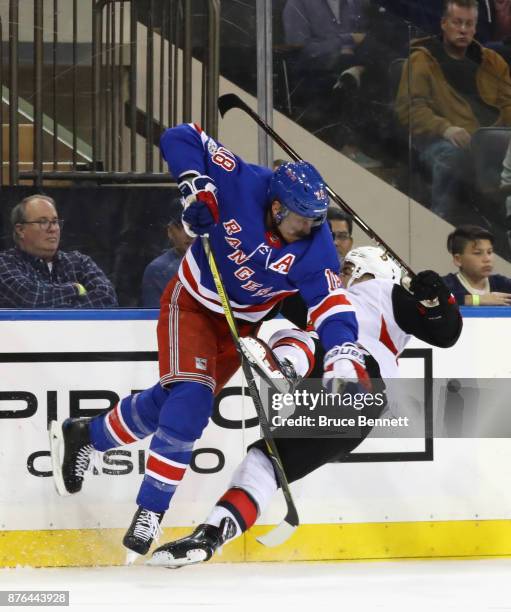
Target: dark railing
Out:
[1,95]
[13,94]
[97,106]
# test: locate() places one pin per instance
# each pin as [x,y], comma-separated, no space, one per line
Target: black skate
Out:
[144,528]
[281,375]
[199,546]
[71,452]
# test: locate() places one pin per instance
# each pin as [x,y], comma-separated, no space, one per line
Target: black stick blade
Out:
[228,101]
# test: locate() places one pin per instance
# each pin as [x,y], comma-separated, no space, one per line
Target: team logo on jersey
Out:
[251,286]
[238,257]
[201,363]
[232,227]
[233,242]
[283,265]
[243,273]
[265,291]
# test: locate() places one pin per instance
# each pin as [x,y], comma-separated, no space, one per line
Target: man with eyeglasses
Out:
[36,274]
[450,87]
[341,225]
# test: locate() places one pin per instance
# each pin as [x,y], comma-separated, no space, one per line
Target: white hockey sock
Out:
[252,486]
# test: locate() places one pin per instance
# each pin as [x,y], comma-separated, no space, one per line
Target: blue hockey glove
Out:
[200,213]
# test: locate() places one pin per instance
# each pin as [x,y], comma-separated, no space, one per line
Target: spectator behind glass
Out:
[450,87]
[327,35]
[426,16]
[506,181]
[36,274]
[328,31]
[341,225]
[502,19]
[493,22]
[161,270]
[278,162]
[474,284]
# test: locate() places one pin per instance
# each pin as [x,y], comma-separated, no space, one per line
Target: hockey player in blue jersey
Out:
[268,232]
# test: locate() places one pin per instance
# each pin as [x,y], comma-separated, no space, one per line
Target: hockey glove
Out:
[345,364]
[428,288]
[200,213]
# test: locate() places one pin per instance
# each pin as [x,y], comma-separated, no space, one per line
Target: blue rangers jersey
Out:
[258,269]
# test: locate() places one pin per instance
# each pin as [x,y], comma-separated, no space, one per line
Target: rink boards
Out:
[414,497]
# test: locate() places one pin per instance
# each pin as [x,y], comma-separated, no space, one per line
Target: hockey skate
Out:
[144,528]
[278,374]
[71,454]
[199,546]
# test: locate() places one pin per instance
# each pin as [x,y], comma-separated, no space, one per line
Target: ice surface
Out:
[436,586]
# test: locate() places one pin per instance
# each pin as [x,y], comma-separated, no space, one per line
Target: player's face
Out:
[476,261]
[33,238]
[293,227]
[347,271]
[459,27]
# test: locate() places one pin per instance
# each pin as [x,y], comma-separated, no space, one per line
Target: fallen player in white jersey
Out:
[388,315]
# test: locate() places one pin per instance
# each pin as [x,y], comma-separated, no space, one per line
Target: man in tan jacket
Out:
[450,87]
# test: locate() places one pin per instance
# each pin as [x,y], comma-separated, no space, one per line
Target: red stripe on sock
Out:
[243,504]
[115,423]
[301,345]
[164,469]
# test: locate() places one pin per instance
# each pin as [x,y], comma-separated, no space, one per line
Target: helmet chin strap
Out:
[278,218]
[281,215]
[350,282]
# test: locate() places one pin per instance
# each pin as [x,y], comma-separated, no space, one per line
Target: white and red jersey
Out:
[378,331]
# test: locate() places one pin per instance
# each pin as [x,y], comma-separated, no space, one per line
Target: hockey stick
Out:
[228,101]
[291,521]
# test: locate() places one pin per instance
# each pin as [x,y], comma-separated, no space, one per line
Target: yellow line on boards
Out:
[353,541]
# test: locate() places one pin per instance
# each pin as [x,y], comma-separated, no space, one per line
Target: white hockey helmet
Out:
[371,260]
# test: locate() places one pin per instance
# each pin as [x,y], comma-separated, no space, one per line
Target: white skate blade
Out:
[166,559]
[131,557]
[278,535]
[56,450]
